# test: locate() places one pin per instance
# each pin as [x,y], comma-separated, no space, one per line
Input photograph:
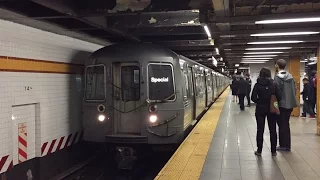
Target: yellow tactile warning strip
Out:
[188,160]
[40,66]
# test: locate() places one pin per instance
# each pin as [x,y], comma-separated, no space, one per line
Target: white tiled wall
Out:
[26,42]
[58,96]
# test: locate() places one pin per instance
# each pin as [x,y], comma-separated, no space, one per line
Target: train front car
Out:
[132,96]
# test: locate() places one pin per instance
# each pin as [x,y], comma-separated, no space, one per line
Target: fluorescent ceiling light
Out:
[303,61]
[207,31]
[311,63]
[264,52]
[293,20]
[257,58]
[217,51]
[267,55]
[227,49]
[236,65]
[274,42]
[252,62]
[271,48]
[285,33]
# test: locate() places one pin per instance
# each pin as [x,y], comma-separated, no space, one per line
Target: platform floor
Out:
[222,144]
[230,156]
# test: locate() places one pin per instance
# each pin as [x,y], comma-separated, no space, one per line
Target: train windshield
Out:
[161,82]
[95,83]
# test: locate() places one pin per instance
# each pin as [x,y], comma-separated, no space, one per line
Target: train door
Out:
[209,88]
[126,90]
[188,101]
[191,85]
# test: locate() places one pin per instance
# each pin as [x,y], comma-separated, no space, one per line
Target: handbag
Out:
[274,108]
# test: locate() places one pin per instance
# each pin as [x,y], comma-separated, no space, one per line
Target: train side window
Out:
[95,87]
[130,83]
[190,83]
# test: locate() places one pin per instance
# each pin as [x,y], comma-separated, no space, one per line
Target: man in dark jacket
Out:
[242,91]
[249,89]
[308,98]
[287,87]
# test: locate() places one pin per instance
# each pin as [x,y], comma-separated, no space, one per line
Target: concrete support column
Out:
[318,91]
[294,69]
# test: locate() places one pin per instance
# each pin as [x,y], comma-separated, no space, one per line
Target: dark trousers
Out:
[241,101]
[272,123]
[308,108]
[248,98]
[284,127]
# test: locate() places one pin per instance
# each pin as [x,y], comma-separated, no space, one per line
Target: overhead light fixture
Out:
[267,55]
[286,33]
[263,58]
[227,49]
[217,51]
[253,62]
[236,65]
[303,61]
[207,31]
[312,63]
[264,52]
[270,48]
[292,20]
[274,42]
[227,36]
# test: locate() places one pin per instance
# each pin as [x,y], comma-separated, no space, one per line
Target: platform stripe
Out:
[43,147]
[74,138]
[51,146]
[2,161]
[188,160]
[22,141]
[60,143]
[68,140]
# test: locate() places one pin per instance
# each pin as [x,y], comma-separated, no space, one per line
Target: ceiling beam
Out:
[306,45]
[186,43]
[147,19]
[99,23]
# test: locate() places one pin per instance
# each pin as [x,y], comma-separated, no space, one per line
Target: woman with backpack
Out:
[266,94]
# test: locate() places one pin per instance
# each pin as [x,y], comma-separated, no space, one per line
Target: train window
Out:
[200,83]
[209,83]
[95,87]
[130,83]
[161,82]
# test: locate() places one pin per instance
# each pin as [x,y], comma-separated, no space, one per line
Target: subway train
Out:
[145,94]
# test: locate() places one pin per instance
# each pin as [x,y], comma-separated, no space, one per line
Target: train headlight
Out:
[153,118]
[101,117]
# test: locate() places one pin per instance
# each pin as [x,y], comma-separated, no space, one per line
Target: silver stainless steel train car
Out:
[142,93]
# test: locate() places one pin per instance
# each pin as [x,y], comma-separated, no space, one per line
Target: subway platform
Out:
[229,154]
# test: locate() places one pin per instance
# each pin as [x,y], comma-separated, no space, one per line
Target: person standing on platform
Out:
[261,95]
[247,78]
[287,87]
[313,83]
[308,98]
[234,88]
[242,91]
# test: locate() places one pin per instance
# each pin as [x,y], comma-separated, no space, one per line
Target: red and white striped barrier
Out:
[60,143]
[6,163]
[22,143]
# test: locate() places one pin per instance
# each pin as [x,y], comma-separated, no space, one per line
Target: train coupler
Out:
[125,157]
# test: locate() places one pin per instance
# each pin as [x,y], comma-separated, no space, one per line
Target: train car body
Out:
[145,94]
